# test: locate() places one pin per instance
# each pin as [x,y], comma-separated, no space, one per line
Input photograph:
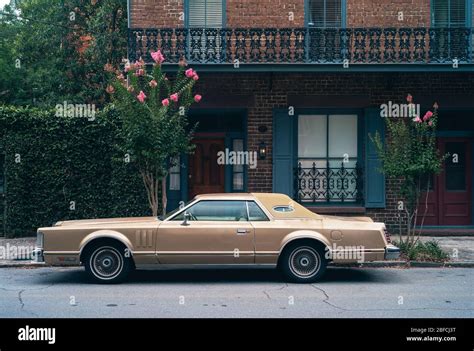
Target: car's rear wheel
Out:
[107,263]
[303,262]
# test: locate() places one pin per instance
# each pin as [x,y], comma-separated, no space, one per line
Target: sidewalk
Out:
[460,248]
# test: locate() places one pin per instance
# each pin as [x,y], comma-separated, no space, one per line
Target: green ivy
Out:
[51,161]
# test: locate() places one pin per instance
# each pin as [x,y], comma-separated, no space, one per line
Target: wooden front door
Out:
[450,199]
[205,174]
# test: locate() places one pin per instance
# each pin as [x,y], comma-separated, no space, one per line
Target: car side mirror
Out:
[187,217]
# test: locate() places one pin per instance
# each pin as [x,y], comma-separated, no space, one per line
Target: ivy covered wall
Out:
[60,168]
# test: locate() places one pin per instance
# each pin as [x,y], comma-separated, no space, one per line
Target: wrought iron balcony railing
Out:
[328,185]
[304,45]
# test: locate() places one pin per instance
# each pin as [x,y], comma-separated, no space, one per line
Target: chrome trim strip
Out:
[61,252]
[203,252]
[159,266]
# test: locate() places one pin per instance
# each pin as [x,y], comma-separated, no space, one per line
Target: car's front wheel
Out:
[303,262]
[107,263]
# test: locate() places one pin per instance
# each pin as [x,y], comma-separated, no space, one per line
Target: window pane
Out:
[312,136]
[175,181]
[197,13]
[342,135]
[219,211]
[238,181]
[325,13]
[205,13]
[256,213]
[238,145]
[175,175]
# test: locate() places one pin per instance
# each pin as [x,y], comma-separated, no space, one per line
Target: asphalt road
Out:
[344,292]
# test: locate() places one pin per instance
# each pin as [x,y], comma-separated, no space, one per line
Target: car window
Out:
[256,213]
[283,208]
[216,210]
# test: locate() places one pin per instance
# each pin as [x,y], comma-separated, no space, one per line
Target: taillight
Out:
[387,236]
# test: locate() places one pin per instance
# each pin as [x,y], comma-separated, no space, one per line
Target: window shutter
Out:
[205,13]
[283,152]
[325,13]
[214,12]
[458,13]
[374,180]
[449,13]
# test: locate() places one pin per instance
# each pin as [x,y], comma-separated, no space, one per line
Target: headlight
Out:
[39,239]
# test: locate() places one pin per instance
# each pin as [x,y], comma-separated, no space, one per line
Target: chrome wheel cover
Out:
[305,262]
[106,263]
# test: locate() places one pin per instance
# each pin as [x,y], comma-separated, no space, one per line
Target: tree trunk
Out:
[164,198]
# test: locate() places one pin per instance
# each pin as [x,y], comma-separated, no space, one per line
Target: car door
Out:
[217,232]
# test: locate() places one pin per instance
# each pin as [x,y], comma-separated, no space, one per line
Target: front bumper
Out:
[37,255]
[391,252]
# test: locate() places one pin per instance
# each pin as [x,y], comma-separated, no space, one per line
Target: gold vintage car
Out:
[217,229]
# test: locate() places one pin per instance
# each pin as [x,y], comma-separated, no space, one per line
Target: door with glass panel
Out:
[449,201]
[214,232]
[327,159]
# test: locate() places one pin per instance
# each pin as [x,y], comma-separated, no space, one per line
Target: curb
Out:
[374,264]
[408,264]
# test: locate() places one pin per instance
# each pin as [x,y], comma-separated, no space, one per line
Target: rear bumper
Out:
[38,256]
[391,252]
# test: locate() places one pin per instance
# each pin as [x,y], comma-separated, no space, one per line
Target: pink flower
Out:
[153,83]
[120,77]
[189,73]
[157,56]
[141,97]
[417,119]
[430,123]
[174,97]
[195,77]
[165,102]
[197,97]
[409,98]
[435,105]
[140,72]
[140,63]
[427,116]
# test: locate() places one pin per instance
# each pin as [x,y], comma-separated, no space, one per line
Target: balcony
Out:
[308,48]
[328,185]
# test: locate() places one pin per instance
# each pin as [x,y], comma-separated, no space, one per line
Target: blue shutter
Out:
[374,180]
[283,152]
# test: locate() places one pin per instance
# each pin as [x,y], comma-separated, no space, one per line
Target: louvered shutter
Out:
[205,13]
[325,13]
[449,13]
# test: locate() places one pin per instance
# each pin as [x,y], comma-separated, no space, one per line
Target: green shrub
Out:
[422,251]
[64,159]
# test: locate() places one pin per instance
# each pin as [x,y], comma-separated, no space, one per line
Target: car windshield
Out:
[179,208]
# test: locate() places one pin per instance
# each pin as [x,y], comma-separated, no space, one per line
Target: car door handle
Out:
[242,231]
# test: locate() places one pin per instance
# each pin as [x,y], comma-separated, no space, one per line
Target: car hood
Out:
[104,221]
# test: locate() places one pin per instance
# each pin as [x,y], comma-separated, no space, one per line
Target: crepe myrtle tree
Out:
[153,111]
[410,155]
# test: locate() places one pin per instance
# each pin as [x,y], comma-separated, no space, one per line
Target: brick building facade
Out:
[270,57]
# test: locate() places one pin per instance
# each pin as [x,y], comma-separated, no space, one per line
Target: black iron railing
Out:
[304,45]
[329,184]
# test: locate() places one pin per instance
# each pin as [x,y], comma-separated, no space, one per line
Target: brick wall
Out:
[384,13]
[156,13]
[265,13]
[276,13]
[269,91]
